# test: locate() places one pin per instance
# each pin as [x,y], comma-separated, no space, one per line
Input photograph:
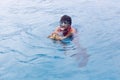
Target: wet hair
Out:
[66,19]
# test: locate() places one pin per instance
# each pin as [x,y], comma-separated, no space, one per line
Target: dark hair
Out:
[66,19]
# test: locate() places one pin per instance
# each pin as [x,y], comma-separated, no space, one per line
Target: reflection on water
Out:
[81,57]
[72,48]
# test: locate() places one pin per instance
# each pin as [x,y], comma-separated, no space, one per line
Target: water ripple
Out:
[39,58]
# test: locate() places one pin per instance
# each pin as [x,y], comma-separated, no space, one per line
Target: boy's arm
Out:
[56,30]
[54,35]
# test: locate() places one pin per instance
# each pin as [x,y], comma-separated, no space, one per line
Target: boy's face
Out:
[64,25]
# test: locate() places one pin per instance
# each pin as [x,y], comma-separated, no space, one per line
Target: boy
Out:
[65,29]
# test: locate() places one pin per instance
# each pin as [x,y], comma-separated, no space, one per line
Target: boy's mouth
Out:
[62,28]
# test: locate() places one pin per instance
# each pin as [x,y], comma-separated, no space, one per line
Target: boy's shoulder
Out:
[73,30]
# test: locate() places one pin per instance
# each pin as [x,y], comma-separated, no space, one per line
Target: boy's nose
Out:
[63,24]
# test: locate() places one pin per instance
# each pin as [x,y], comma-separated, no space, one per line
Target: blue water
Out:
[27,54]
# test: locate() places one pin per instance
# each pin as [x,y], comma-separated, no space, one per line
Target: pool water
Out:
[27,54]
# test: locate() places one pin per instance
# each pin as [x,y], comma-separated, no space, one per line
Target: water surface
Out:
[27,54]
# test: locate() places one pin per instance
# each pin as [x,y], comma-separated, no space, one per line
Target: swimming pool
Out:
[27,54]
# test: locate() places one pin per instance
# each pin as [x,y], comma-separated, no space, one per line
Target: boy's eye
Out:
[65,22]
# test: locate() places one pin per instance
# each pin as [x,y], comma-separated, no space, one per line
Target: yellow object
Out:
[54,36]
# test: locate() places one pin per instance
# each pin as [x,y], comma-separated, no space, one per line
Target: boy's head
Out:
[65,19]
